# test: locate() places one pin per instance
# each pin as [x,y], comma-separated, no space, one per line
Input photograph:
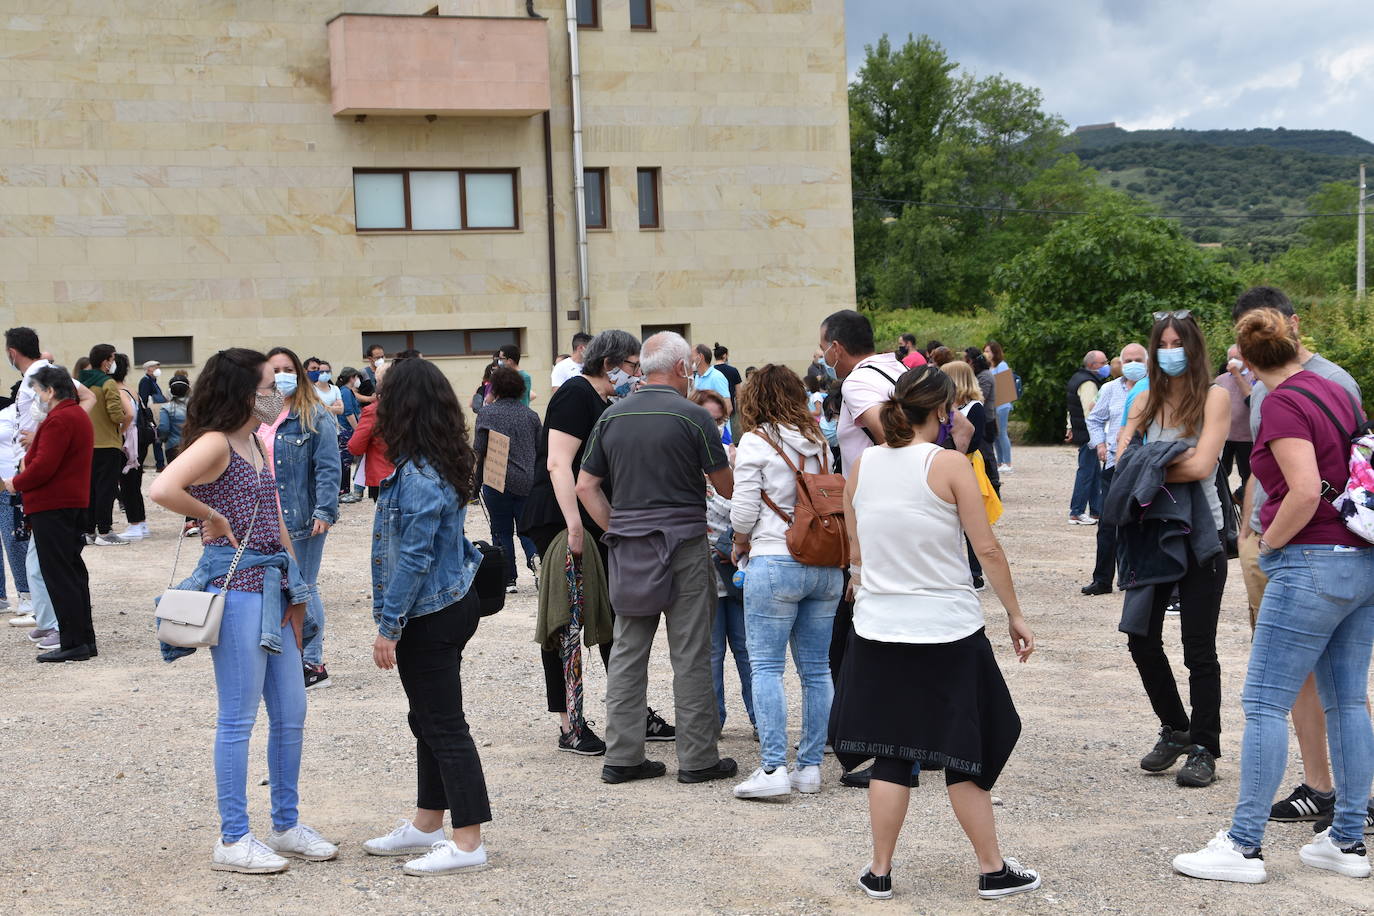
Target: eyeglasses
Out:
[633,365]
[1180,314]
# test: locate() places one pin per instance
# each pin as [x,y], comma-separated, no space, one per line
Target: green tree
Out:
[1092,285]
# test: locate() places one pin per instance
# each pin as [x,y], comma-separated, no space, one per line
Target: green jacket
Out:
[598,626]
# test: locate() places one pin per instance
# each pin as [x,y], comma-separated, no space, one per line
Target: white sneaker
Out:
[807,779]
[1004,469]
[302,842]
[109,540]
[1323,853]
[445,858]
[763,784]
[1221,860]
[135,532]
[249,856]
[25,604]
[23,620]
[405,840]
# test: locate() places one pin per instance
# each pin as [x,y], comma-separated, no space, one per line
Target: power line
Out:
[1207,217]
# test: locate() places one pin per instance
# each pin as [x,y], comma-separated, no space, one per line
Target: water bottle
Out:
[738,577]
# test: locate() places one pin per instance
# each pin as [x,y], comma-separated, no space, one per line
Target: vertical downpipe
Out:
[553,241]
[584,295]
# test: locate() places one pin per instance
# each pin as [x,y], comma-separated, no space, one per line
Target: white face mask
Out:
[157,373]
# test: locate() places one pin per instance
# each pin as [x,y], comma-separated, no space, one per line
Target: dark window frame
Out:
[515,335]
[605,174]
[658,197]
[138,359]
[463,226]
[649,17]
[596,17]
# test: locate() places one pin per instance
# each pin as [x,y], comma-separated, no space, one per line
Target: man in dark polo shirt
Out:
[652,448]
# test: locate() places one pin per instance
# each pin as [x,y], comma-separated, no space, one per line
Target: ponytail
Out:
[897,429]
[917,394]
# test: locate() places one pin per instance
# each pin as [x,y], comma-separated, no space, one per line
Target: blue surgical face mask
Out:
[1173,361]
[324,377]
[1134,371]
[829,369]
[1104,371]
[286,383]
[314,374]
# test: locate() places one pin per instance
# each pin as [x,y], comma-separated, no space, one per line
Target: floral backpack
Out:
[1354,499]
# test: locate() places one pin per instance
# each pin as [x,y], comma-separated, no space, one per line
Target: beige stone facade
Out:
[172,168]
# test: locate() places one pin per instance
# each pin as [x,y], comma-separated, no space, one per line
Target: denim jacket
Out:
[421,561]
[215,561]
[307,469]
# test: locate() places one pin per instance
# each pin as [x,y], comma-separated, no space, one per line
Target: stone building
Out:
[177,176]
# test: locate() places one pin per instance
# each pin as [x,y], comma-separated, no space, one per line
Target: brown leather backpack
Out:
[816,533]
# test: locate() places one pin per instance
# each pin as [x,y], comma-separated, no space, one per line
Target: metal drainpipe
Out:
[584,295]
[553,238]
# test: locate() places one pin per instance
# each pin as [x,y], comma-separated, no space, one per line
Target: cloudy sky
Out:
[1157,63]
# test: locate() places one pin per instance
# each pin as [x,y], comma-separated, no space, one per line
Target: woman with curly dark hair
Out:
[422,600]
[786,602]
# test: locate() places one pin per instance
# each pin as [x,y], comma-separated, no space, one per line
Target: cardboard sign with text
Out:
[494,467]
[1004,391]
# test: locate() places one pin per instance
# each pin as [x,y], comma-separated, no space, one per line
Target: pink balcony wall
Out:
[441,65]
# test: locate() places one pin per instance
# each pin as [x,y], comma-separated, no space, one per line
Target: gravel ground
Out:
[111,801]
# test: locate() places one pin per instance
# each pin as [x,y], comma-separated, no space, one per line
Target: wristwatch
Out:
[1265,549]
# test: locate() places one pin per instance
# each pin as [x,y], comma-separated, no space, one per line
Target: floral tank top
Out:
[234,496]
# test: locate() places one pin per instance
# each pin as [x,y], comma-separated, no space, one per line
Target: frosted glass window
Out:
[434,200]
[379,200]
[490,200]
[441,343]
[490,341]
[594,190]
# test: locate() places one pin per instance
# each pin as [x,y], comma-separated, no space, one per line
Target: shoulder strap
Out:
[882,373]
[795,470]
[243,542]
[1330,492]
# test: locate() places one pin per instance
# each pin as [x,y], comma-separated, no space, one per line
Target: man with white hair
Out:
[651,450]
[1104,422]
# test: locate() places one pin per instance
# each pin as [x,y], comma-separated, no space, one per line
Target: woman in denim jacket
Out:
[222,478]
[303,446]
[422,572]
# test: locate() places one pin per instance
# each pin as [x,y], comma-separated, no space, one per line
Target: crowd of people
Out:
[847,514]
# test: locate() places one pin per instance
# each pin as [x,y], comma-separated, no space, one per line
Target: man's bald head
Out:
[1095,360]
[1134,353]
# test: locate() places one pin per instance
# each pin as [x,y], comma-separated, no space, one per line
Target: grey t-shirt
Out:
[1319,365]
[652,448]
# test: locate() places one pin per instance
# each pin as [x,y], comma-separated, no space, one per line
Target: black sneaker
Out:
[316,676]
[648,769]
[1096,588]
[1324,823]
[511,587]
[587,744]
[656,729]
[1304,804]
[879,887]
[723,768]
[1012,879]
[1201,769]
[857,779]
[1170,746]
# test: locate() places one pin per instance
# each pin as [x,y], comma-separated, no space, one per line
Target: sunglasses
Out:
[1180,314]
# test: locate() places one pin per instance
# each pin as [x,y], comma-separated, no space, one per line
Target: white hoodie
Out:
[758,465]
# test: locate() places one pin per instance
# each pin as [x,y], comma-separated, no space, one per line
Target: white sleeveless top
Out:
[916,585]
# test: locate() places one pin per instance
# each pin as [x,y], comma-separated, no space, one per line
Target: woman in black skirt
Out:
[918,632]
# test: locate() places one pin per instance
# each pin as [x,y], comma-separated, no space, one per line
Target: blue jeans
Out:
[787,602]
[1087,483]
[728,626]
[1317,617]
[245,676]
[1003,444]
[309,554]
[45,616]
[504,509]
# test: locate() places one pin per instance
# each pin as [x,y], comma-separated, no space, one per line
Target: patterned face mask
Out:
[267,407]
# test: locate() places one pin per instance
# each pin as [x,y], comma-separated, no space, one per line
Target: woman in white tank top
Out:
[920,687]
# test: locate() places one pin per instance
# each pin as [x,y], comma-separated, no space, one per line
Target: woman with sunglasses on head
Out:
[303,446]
[1184,419]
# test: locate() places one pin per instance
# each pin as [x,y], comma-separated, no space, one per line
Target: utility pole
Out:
[1359,240]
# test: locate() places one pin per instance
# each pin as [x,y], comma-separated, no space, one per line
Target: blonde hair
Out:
[966,387]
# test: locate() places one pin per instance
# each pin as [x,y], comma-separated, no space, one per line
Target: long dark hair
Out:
[1186,394]
[420,420]
[222,399]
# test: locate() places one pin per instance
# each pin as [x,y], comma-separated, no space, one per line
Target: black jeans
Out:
[555,685]
[1237,453]
[57,538]
[1104,571]
[840,630]
[1199,593]
[159,459]
[429,658]
[131,494]
[106,463]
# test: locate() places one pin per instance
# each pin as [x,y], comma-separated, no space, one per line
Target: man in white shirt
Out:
[571,367]
[1104,422]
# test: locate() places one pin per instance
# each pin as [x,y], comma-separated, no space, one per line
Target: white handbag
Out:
[190,619]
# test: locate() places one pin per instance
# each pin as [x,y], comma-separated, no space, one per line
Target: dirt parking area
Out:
[110,808]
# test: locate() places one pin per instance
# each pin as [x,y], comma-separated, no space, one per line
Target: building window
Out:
[170,351]
[642,14]
[594,192]
[649,330]
[648,185]
[589,14]
[436,200]
[479,342]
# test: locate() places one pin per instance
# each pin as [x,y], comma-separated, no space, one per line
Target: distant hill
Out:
[1327,142]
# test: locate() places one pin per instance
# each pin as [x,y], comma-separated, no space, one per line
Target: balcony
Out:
[438,65]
